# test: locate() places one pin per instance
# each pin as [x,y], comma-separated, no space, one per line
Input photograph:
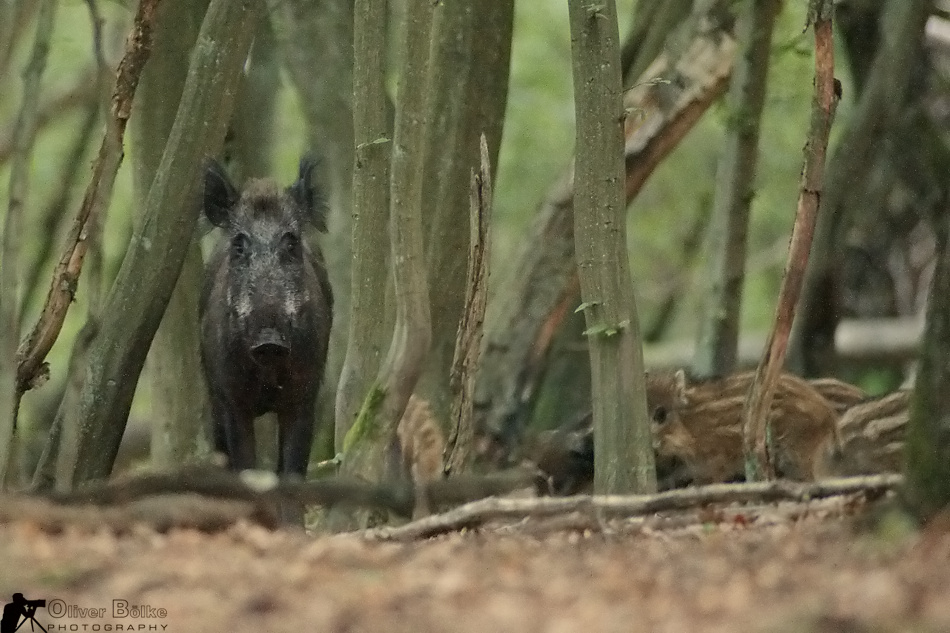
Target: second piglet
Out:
[266,311]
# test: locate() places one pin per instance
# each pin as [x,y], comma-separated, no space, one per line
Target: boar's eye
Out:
[290,244]
[660,414]
[240,246]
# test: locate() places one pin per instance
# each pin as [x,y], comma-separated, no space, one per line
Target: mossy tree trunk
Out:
[179,398]
[367,443]
[735,187]
[623,447]
[159,245]
[368,333]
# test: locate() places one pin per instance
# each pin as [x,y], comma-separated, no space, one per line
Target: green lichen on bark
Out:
[366,426]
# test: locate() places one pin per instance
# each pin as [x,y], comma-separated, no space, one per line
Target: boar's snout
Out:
[269,346]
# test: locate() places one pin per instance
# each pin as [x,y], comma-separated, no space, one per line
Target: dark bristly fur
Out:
[266,310]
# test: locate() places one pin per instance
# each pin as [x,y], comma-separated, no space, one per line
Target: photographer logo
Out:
[18,612]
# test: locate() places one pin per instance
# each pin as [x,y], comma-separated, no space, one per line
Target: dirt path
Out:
[812,574]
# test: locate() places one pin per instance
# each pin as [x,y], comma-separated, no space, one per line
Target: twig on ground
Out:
[492,509]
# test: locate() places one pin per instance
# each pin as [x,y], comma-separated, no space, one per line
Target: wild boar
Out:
[266,310]
[700,422]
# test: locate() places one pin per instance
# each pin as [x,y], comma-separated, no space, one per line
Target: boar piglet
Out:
[266,310]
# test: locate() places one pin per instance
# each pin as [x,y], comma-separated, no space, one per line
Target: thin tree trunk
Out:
[368,333]
[179,399]
[623,446]
[735,188]
[33,350]
[25,138]
[159,245]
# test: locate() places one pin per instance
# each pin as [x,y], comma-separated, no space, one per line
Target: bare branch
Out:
[759,401]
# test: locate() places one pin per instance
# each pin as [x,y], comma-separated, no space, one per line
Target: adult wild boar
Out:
[266,310]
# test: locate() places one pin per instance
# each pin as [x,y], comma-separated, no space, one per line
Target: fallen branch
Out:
[615,506]
[258,492]
[161,513]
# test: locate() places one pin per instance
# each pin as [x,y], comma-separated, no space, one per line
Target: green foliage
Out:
[607,331]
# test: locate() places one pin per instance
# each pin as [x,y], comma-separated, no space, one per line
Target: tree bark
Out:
[827,92]
[735,181]
[179,399]
[316,41]
[159,245]
[459,450]
[927,444]
[623,443]
[369,327]
[467,93]
[368,441]
[249,152]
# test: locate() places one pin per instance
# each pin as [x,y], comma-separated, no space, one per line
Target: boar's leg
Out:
[233,435]
[295,432]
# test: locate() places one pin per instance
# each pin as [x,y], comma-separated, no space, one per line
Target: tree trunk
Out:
[927,445]
[623,443]
[369,327]
[248,154]
[159,246]
[368,441]
[467,92]
[316,40]
[179,399]
[735,181]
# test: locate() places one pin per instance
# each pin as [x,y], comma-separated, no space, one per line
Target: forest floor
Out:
[787,569]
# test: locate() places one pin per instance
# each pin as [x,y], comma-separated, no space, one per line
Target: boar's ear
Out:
[679,380]
[219,194]
[305,192]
